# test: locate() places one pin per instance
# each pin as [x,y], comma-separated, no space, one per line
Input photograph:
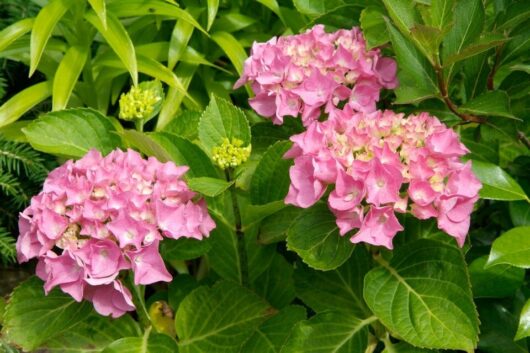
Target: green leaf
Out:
[213,6]
[230,22]
[185,152]
[340,289]
[11,33]
[511,248]
[180,37]
[100,9]
[276,284]
[270,181]
[272,334]
[221,120]
[497,281]
[403,14]
[210,187]
[23,101]
[316,7]
[467,27]
[315,237]
[67,75]
[44,24]
[329,332]
[150,343]
[32,318]
[374,27]
[274,227]
[523,329]
[483,44]
[72,133]
[517,46]
[118,39]
[496,183]
[93,334]
[184,248]
[179,288]
[427,40]
[146,145]
[520,213]
[441,13]
[492,103]
[424,296]
[232,48]
[137,8]
[185,125]
[416,76]
[219,319]
[403,347]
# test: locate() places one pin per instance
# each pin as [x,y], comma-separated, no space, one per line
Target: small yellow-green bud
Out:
[230,154]
[138,103]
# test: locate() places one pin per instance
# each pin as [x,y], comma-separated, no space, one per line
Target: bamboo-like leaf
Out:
[232,48]
[67,75]
[179,41]
[23,101]
[45,23]
[100,9]
[11,33]
[118,39]
[213,6]
[134,8]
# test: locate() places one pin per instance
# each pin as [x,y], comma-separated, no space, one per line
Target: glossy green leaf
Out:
[219,319]
[274,7]
[512,248]
[100,9]
[184,152]
[72,133]
[329,332]
[67,75]
[222,120]
[210,187]
[523,329]
[149,343]
[276,284]
[427,40]
[185,125]
[213,6]
[483,44]
[44,24]
[230,22]
[416,76]
[13,32]
[270,181]
[316,7]
[374,27]
[118,39]
[515,14]
[315,237]
[23,101]
[178,43]
[403,347]
[93,334]
[32,318]
[232,48]
[146,145]
[423,295]
[274,227]
[492,103]
[520,213]
[496,183]
[517,46]
[494,282]
[442,13]
[272,334]
[184,248]
[135,8]
[340,289]
[403,14]
[467,27]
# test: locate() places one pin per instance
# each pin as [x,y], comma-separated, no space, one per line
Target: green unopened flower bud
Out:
[230,154]
[138,103]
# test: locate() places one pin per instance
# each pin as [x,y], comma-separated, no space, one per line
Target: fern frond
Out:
[11,187]
[8,252]
[15,156]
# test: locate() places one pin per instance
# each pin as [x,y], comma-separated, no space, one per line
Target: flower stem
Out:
[241,248]
[139,301]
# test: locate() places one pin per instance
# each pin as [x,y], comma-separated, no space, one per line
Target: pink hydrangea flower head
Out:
[299,75]
[100,216]
[378,163]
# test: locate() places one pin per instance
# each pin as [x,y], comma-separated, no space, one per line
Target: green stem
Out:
[389,346]
[139,302]
[241,248]
[139,124]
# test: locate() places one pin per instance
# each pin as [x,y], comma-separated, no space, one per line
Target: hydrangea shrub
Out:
[360,187]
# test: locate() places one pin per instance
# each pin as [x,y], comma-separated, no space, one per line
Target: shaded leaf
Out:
[497,281]
[496,183]
[511,248]
[492,103]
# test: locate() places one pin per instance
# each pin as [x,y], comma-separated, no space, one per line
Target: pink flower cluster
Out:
[381,163]
[300,74]
[101,215]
